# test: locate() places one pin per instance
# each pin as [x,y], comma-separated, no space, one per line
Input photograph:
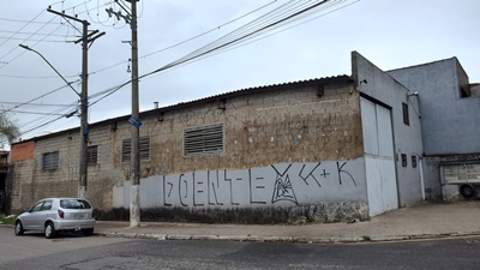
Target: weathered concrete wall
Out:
[30,183]
[293,126]
[375,83]
[278,184]
[450,123]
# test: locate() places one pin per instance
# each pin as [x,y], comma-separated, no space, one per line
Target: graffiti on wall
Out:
[285,183]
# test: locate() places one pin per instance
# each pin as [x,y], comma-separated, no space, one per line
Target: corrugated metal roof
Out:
[334,80]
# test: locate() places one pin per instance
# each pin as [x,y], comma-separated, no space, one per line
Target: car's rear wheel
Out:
[19,228]
[88,232]
[49,230]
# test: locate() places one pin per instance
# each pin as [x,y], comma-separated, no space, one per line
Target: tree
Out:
[8,130]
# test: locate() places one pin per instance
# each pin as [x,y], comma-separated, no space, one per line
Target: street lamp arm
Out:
[54,69]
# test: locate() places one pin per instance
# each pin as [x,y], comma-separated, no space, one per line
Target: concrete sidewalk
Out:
[427,221]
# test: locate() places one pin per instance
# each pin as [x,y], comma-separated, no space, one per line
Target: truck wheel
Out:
[467,191]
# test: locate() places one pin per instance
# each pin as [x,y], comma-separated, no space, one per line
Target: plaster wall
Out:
[380,86]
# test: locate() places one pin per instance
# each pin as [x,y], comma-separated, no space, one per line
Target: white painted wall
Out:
[283,184]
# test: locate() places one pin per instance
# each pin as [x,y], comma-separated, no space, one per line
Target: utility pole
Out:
[135,201]
[131,18]
[87,39]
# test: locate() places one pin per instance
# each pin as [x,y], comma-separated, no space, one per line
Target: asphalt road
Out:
[91,253]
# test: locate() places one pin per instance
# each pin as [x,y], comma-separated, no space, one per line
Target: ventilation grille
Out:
[204,140]
[92,154]
[143,148]
[50,161]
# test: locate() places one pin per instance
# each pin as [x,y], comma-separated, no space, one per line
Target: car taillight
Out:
[61,214]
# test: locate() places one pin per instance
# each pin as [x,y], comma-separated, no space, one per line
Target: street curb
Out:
[6,225]
[290,239]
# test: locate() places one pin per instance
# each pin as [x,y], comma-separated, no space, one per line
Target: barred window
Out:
[414,161]
[203,140]
[50,161]
[143,148]
[92,154]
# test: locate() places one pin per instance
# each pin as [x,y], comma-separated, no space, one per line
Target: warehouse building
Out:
[450,109]
[322,150]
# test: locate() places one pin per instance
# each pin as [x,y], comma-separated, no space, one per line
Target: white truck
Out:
[466,175]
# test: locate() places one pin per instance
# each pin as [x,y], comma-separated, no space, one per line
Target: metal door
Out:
[379,158]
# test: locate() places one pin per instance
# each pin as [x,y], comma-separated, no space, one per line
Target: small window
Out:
[92,152]
[406,117]
[143,148]
[414,161]
[50,161]
[203,140]
[404,160]
[47,205]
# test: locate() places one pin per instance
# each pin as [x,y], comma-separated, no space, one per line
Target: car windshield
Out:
[74,204]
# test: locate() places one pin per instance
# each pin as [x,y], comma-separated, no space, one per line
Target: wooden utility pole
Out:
[87,39]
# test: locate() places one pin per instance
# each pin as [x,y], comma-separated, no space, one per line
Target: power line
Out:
[21,28]
[232,43]
[12,76]
[39,119]
[45,124]
[37,98]
[32,112]
[23,52]
[39,40]
[191,38]
[180,43]
[206,50]
[27,21]
[37,104]
[38,30]
[32,33]
[24,40]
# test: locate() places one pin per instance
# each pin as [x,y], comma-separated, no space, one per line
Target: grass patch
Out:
[7,220]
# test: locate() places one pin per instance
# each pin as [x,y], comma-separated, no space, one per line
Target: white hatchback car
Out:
[57,214]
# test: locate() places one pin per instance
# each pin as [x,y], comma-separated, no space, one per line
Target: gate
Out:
[381,177]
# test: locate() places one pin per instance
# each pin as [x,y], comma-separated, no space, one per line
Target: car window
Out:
[37,207]
[47,205]
[74,204]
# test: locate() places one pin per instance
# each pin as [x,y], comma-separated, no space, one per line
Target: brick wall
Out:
[260,129]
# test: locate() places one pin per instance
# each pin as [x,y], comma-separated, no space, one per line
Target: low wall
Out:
[327,191]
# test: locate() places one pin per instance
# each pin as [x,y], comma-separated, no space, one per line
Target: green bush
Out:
[7,220]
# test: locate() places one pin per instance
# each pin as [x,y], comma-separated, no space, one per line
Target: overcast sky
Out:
[390,33]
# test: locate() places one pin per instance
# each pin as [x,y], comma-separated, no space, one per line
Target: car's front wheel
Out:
[19,228]
[49,230]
